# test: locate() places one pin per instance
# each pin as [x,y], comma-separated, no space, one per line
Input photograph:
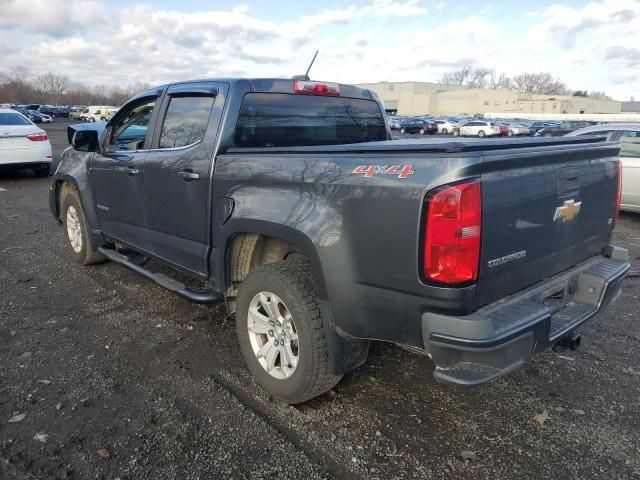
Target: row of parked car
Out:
[476,127]
[45,113]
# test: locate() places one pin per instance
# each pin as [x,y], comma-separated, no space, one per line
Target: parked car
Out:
[394,123]
[97,113]
[515,129]
[23,144]
[561,129]
[628,134]
[417,125]
[76,113]
[285,241]
[537,126]
[35,116]
[445,127]
[478,128]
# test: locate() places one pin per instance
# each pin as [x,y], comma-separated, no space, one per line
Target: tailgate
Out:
[545,209]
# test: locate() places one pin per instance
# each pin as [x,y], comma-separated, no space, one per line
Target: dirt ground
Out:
[105,375]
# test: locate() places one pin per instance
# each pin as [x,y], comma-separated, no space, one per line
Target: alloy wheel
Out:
[273,335]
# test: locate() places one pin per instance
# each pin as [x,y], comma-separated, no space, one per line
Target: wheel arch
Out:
[267,242]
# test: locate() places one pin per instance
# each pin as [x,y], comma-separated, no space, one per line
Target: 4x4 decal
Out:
[401,171]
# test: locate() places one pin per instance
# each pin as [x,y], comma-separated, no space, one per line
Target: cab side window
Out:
[186,120]
[630,144]
[129,132]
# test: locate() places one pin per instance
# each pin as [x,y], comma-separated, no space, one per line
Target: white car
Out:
[446,126]
[628,134]
[98,113]
[23,144]
[478,128]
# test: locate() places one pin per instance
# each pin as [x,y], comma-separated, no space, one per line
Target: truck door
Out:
[117,173]
[178,173]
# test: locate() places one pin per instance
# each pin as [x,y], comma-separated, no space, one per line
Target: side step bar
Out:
[163,280]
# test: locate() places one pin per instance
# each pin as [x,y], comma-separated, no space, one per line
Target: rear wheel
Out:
[281,333]
[456,133]
[77,230]
[444,131]
[482,134]
[547,134]
[422,131]
[510,133]
[402,130]
[41,172]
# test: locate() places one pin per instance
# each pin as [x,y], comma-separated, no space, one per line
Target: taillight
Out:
[618,193]
[314,88]
[452,234]
[38,137]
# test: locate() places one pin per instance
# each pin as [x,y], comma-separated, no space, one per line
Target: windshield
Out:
[285,120]
[13,119]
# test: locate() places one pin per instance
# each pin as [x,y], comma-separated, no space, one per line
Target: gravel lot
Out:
[117,378]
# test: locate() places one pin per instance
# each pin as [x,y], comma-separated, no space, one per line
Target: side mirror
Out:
[85,140]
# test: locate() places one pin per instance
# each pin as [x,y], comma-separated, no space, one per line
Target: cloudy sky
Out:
[590,45]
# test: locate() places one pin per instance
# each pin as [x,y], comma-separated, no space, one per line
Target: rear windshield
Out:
[284,120]
[13,119]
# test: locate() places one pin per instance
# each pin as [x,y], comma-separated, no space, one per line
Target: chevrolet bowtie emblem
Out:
[568,211]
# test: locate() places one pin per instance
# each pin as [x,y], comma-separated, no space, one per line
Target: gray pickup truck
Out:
[287,200]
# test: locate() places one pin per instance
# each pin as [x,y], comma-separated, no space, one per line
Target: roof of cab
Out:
[265,85]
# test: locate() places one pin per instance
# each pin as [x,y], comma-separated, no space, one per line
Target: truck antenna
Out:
[311,64]
[306,75]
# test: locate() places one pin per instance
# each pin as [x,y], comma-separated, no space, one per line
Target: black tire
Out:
[547,134]
[402,130]
[87,255]
[456,133]
[444,131]
[42,172]
[293,282]
[481,134]
[102,119]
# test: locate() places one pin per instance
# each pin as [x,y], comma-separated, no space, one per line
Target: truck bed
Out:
[447,145]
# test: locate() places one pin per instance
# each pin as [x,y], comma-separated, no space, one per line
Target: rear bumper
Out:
[40,153]
[499,338]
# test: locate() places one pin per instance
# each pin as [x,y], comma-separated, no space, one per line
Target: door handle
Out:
[130,170]
[188,175]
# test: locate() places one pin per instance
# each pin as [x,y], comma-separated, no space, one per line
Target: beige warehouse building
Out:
[423,98]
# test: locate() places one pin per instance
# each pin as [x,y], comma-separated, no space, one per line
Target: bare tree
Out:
[499,81]
[19,85]
[477,77]
[599,95]
[458,77]
[539,83]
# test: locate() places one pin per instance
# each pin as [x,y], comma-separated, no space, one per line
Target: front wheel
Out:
[510,133]
[402,130]
[422,131]
[456,133]
[444,131]
[77,230]
[481,134]
[547,134]
[281,333]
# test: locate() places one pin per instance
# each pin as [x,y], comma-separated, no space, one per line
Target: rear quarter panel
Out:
[361,233]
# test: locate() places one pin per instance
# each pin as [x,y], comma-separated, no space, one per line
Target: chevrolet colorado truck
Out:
[288,200]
